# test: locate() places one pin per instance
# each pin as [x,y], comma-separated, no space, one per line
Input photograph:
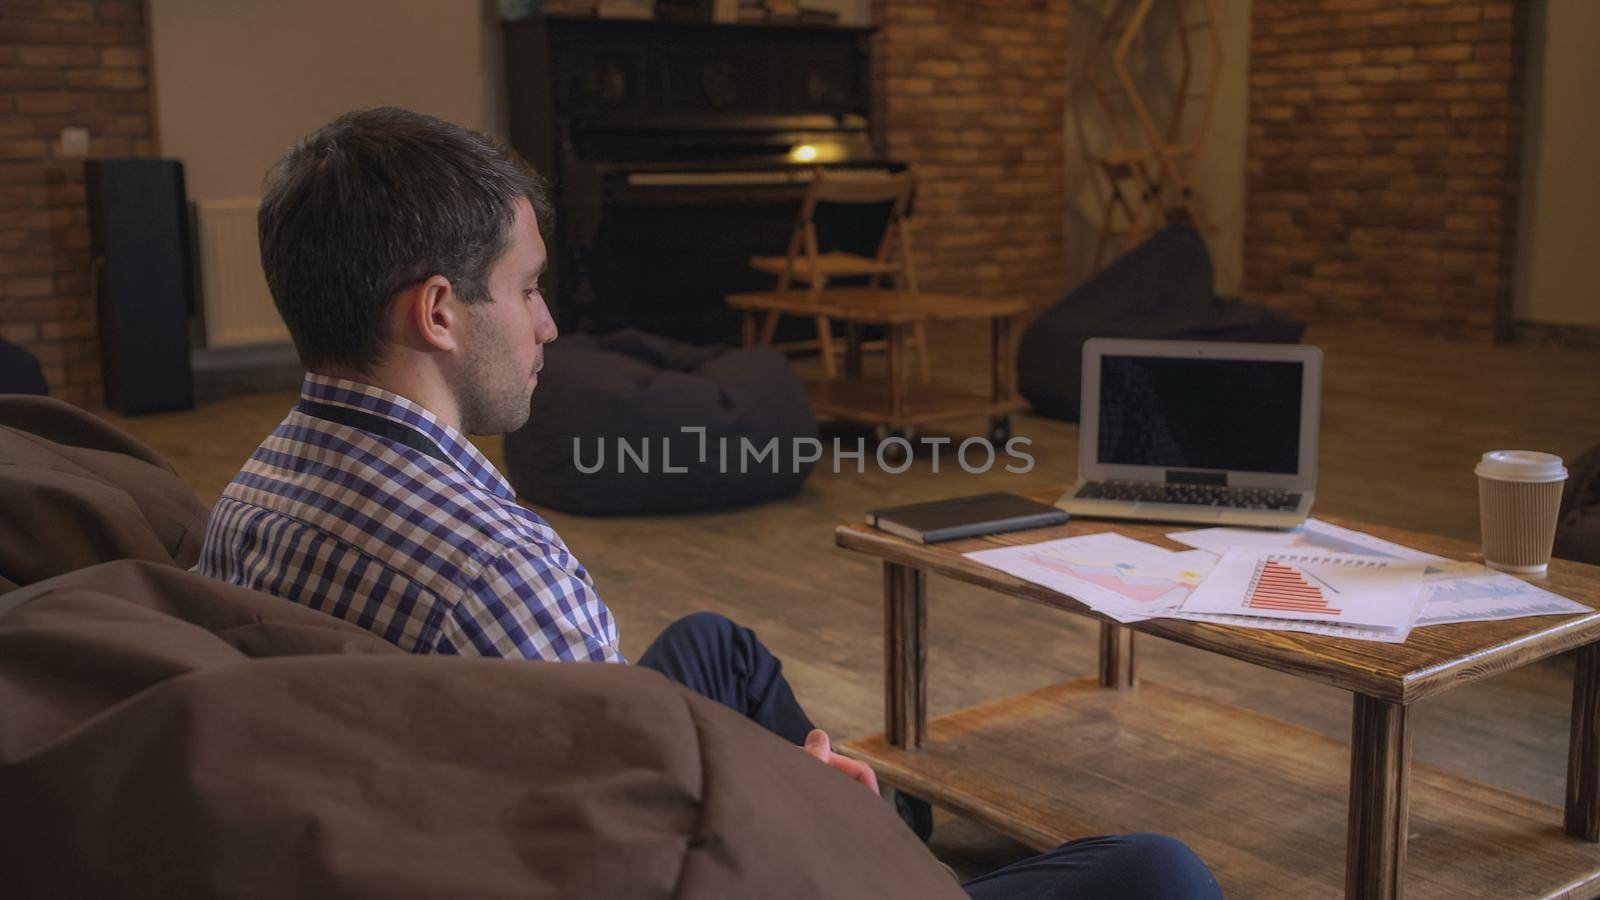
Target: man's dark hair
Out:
[373,202]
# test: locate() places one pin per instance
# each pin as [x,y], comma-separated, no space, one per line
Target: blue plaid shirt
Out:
[426,547]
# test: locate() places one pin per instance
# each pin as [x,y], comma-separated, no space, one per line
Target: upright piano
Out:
[677,151]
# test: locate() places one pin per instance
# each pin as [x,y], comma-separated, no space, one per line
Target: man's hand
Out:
[817,745]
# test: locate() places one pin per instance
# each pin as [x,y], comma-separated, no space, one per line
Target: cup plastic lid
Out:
[1521,465]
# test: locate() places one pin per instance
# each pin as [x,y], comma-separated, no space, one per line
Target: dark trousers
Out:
[725,662]
[1110,867]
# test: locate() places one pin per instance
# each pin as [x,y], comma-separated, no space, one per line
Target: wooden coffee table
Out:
[1265,803]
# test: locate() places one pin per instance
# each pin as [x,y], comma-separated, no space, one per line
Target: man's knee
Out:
[1152,846]
[703,638]
[1110,866]
[699,625]
[1162,866]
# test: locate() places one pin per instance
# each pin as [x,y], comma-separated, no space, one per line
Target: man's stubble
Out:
[493,393]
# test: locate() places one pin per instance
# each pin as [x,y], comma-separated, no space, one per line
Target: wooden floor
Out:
[1264,803]
[1404,420]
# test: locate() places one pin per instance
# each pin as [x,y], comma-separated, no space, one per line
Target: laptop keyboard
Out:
[1190,494]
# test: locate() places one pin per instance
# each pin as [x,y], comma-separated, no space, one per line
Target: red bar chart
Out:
[1316,588]
[1280,587]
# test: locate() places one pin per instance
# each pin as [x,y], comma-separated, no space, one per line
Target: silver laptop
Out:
[1190,431]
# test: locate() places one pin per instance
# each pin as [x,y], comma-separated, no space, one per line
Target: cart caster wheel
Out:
[897,452]
[916,812]
[1000,430]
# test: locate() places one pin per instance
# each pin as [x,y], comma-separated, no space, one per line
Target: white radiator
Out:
[237,308]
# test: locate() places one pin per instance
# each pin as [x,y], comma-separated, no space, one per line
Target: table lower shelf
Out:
[866,401]
[1263,802]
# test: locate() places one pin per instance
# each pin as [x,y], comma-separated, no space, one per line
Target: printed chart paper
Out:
[1472,593]
[1125,579]
[1325,629]
[1452,591]
[1315,536]
[1130,581]
[1344,588]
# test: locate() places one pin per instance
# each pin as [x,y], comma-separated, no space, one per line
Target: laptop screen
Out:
[1177,413]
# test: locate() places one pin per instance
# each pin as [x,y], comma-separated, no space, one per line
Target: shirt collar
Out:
[379,402]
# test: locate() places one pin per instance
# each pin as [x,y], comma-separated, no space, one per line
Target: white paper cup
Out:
[1519,500]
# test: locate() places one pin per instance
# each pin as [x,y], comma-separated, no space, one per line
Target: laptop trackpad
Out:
[1177,510]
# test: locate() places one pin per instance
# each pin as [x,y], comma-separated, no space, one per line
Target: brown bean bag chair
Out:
[166,735]
[75,491]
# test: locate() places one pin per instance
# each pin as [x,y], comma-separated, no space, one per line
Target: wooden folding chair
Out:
[806,264]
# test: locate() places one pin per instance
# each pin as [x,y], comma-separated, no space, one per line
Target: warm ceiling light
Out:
[803,153]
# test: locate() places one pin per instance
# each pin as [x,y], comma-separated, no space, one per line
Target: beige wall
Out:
[1219,175]
[236,82]
[1559,227]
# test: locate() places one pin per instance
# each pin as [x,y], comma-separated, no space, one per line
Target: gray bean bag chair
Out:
[1578,530]
[607,436]
[1160,290]
[20,372]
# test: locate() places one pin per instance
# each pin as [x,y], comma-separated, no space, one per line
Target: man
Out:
[404,255]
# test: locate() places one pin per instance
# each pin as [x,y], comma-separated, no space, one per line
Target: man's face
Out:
[505,337]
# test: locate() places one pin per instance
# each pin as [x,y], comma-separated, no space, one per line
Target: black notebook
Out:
[947,520]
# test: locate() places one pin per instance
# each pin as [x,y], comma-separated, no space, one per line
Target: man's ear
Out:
[429,314]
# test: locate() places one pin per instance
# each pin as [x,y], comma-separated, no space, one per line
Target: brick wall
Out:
[1382,161]
[972,94]
[62,63]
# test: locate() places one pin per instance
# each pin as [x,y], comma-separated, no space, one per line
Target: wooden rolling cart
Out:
[896,402]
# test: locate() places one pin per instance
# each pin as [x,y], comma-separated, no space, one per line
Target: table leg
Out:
[830,365]
[905,622]
[1583,755]
[1002,360]
[1116,656]
[894,354]
[1380,767]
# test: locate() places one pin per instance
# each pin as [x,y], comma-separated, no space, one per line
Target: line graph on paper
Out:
[1123,578]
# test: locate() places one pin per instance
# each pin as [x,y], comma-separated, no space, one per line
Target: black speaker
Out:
[143,277]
